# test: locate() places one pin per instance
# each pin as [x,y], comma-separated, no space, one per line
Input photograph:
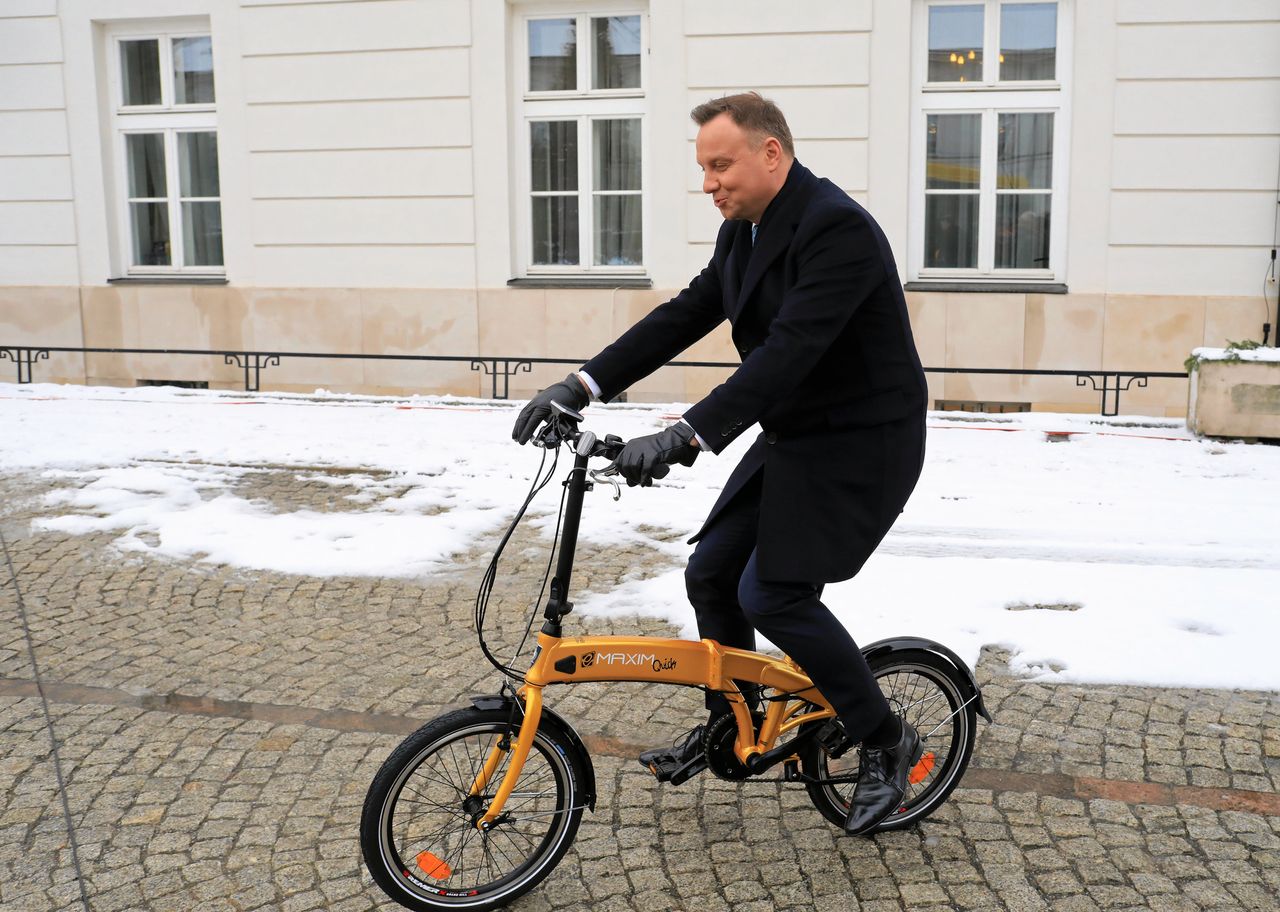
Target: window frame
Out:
[169,120]
[583,106]
[989,98]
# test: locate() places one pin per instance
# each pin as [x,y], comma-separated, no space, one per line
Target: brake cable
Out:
[540,481]
[546,575]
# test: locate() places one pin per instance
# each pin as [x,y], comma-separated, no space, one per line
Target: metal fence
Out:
[500,370]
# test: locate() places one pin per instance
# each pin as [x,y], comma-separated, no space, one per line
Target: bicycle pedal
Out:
[833,740]
[791,771]
[676,773]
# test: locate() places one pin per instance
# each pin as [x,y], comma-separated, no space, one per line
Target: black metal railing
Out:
[1110,384]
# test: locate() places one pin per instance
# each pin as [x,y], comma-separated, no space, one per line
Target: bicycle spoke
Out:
[423,799]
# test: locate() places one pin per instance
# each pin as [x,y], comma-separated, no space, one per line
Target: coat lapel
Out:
[776,231]
[736,264]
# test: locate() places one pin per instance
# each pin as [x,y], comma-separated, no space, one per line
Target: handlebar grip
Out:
[610,447]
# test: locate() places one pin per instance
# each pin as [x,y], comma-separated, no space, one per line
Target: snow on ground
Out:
[1096,550]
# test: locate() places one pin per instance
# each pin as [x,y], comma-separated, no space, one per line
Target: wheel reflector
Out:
[433,867]
[921,769]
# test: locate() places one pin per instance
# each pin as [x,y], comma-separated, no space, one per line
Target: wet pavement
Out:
[217,729]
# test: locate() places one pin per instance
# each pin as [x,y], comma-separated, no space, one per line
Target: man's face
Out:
[741,181]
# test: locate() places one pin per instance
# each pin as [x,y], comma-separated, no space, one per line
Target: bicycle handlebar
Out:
[562,427]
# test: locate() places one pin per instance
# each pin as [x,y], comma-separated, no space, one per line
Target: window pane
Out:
[954,151]
[1028,40]
[1025,152]
[618,235]
[617,52]
[1022,230]
[951,230]
[555,230]
[146,165]
[555,154]
[150,233]
[202,234]
[617,154]
[193,70]
[198,164]
[140,70]
[955,43]
[553,55]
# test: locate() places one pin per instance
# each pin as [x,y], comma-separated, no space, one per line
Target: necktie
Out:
[754,229]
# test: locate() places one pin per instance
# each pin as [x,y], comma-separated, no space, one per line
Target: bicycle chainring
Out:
[719,739]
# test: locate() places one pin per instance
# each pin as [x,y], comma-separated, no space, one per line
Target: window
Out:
[581,136]
[989,141]
[166,148]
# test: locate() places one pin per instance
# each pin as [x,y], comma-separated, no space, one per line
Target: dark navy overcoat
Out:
[829,371]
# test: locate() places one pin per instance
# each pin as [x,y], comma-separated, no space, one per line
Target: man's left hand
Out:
[642,455]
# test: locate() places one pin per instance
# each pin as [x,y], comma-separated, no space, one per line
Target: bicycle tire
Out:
[905,677]
[417,831]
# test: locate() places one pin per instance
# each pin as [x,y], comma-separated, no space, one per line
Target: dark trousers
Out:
[732,602]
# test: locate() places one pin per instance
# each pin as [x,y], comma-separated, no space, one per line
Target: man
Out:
[830,372]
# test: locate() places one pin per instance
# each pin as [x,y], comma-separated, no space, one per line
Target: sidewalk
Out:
[218,729]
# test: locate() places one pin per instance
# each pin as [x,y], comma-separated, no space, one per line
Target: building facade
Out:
[1080,184]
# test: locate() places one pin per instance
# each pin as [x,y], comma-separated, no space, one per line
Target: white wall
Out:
[813,59]
[37,217]
[1196,145]
[366,143]
[359,142]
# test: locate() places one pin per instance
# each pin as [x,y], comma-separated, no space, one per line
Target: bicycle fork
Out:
[516,754]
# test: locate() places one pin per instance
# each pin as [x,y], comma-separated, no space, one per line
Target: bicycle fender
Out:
[557,721]
[897,644]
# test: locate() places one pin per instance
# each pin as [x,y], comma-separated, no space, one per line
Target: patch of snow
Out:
[1164,545]
[1236,354]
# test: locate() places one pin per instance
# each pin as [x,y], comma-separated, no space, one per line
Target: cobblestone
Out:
[197,710]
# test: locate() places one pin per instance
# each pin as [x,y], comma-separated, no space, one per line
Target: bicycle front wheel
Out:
[927,691]
[417,830]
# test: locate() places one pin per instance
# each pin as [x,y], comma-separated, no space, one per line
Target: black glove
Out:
[645,458]
[570,391]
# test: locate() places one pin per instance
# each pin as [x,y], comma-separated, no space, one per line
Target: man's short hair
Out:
[756,115]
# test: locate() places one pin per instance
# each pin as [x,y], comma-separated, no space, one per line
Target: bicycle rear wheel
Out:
[930,693]
[417,830]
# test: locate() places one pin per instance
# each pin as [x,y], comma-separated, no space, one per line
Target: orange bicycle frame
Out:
[691,663]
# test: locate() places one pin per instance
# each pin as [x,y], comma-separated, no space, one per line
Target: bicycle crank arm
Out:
[791,773]
[760,763]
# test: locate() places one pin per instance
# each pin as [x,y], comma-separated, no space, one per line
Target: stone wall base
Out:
[1018,331]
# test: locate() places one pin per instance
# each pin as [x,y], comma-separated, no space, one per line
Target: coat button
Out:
[771,437]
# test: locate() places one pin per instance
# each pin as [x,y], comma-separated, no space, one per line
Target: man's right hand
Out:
[570,392]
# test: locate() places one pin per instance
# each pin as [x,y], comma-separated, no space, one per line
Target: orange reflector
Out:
[921,769]
[433,867]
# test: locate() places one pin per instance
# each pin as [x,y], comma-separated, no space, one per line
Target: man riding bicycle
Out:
[830,373]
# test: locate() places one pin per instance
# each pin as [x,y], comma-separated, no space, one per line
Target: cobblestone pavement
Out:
[217,730]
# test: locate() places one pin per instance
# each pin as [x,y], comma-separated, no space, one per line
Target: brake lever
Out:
[608,475]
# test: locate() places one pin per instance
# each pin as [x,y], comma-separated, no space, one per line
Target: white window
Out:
[580,136]
[989,141]
[165,150]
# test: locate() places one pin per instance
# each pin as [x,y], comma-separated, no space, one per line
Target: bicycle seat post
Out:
[558,605]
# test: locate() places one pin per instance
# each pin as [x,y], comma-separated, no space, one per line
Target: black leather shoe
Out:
[678,762]
[882,781]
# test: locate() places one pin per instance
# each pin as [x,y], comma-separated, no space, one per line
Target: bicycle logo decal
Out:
[628,658]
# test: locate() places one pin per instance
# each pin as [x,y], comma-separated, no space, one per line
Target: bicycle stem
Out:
[558,605]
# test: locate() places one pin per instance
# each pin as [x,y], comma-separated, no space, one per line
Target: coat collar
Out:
[777,227]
